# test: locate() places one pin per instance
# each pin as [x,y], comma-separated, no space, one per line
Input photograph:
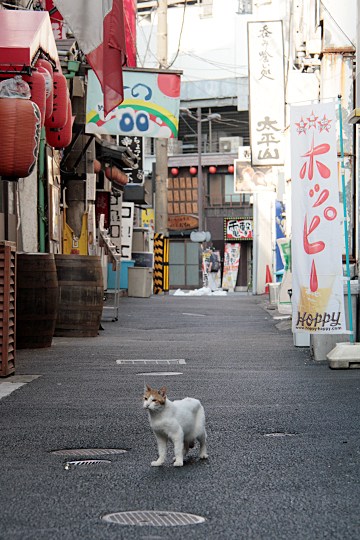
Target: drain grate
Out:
[75,452]
[160,373]
[72,464]
[152,518]
[152,361]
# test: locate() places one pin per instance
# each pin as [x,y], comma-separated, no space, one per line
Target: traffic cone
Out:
[268,279]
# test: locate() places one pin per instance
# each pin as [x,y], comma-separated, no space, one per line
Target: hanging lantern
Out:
[49,89]
[193,170]
[59,113]
[174,171]
[97,166]
[45,64]
[19,147]
[115,175]
[212,169]
[230,169]
[37,84]
[60,138]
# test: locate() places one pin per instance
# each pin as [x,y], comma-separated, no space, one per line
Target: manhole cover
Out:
[152,518]
[152,361]
[160,373]
[88,452]
[72,464]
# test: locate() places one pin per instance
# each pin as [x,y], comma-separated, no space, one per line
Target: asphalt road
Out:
[283,431]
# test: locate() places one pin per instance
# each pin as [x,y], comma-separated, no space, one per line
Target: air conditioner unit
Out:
[230,144]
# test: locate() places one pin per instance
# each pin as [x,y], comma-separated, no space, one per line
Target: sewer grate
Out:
[152,518]
[88,452]
[160,373]
[153,361]
[72,464]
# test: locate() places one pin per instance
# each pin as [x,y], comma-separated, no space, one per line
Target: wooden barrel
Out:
[36,300]
[81,295]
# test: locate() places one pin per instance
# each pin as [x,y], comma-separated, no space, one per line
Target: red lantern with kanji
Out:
[59,113]
[193,170]
[60,138]
[174,171]
[37,84]
[20,122]
[230,169]
[212,169]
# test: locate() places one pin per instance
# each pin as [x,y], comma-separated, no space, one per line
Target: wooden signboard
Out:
[182,222]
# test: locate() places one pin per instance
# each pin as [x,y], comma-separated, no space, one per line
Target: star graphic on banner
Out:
[312,120]
[301,126]
[324,124]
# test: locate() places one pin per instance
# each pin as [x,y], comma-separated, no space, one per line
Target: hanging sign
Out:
[238,229]
[317,272]
[267,92]
[150,107]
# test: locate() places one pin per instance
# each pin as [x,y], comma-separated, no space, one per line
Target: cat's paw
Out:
[204,456]
[178,463]
[157,463]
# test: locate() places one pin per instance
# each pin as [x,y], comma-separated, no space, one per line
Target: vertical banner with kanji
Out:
[267,92]
[317,272]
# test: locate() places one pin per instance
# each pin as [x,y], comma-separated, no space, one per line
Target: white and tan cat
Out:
[180,421]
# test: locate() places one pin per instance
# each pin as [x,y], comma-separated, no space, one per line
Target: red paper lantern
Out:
[231,169]
[58,117]
[174,171]
[19,147]
[115,175]
[45,69]
[193,170]
[212,169]
[97,166]
[60,138]
[37,84]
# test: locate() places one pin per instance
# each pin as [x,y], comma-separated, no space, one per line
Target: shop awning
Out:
[23,34]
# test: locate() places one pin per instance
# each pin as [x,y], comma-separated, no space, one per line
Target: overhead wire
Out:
[180,36]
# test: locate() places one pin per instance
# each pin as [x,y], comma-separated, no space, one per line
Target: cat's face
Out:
[154,400]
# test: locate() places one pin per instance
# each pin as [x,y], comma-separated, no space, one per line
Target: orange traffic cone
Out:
[268,279]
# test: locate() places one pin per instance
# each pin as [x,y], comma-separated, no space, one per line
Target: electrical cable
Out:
[180,35]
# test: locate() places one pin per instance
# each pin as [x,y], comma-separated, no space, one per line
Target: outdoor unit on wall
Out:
[230,144]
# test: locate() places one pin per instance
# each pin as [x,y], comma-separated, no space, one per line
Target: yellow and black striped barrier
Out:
[161,264]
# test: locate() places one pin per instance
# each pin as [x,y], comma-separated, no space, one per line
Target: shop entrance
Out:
[184,264]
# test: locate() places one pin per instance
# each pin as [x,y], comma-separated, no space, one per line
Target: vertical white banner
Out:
[317,239]
[267,92]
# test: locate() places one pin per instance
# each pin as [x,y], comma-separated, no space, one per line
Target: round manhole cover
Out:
[72,464]
[152,518]
[93,452]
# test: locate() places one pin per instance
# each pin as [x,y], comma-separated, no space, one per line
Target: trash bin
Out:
[140,281]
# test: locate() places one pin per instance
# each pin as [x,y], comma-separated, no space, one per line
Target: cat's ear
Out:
[148,388]
[162,391]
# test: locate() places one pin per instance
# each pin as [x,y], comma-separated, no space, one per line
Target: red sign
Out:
[238,229]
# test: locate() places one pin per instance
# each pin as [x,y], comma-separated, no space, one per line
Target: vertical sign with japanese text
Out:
[317,240]
[267,92]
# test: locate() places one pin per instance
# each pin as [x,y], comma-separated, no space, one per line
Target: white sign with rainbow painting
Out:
[150,107]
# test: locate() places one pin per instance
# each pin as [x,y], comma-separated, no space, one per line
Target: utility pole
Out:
[161,213]
[200,173]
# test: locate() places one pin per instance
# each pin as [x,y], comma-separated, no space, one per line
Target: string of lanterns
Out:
[193,170]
